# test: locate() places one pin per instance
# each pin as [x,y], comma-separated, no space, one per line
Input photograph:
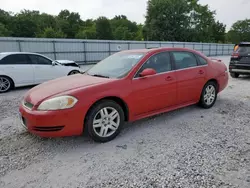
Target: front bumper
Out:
[53,123]
[239,68]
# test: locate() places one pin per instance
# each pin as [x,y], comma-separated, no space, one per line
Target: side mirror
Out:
[147,72]
[53,63]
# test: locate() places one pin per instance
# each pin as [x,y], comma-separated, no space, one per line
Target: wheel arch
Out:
[72,71]
[12,81]
[215,81]
[116,99]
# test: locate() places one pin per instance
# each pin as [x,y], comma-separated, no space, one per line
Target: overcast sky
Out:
[228,11]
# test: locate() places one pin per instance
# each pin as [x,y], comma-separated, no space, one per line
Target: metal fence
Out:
[92,51]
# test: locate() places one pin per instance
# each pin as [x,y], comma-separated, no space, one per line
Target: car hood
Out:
[61,85]
[65,61]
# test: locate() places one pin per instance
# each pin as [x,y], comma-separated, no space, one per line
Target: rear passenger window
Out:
[202,61]
[184,60]
[15,59]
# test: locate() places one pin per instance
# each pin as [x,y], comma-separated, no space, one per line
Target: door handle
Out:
[169,78]
[201,72]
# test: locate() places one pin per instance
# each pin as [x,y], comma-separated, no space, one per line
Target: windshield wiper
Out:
[99,75]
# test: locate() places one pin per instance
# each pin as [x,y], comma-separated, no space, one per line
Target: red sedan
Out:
[126,86]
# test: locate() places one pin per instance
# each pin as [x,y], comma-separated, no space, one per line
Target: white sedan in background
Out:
[22,69]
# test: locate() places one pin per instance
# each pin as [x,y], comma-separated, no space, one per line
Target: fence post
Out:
[146,45]
[222,49]
[202,47]
[84,52]
[109,48]
[173,45]
[193,46]
[19,45]
[54,48]
[209,49]
[128,45]
[160,44]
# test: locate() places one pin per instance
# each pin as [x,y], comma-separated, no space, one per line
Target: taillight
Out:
[235,55]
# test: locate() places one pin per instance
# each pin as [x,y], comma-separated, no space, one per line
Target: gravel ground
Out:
[190,148]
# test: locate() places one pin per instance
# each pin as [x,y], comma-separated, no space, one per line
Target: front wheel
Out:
[5,84]
[104,121]
[208,95]
[234,75]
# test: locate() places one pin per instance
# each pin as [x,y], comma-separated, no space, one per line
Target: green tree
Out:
[166,20]
[240,31]
[103,29]
[181,20]
[4,31]
[87,33]
[123,29]
[51,33]
[24,24]
[69,22]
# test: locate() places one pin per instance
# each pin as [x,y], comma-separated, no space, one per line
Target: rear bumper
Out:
[223,81]
[239,68]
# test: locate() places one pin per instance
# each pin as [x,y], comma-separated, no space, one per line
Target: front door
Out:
[43,69]
[154,92]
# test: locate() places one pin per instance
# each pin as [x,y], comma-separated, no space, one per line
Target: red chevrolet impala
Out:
[126,86]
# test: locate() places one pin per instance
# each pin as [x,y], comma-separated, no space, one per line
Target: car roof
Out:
[244,43]
[4,54]
[160,49]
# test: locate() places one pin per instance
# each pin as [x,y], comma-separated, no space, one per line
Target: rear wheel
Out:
[209,95]
[234,75]
[5,84]
[104,121]
[74,72]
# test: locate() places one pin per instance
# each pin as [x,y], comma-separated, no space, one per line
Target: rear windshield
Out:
[244,49]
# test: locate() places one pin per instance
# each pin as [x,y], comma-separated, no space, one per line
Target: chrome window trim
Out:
[135,78]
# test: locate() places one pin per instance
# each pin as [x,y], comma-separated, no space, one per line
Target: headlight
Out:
[58,103]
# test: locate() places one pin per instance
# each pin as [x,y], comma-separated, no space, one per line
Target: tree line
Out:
[166,20]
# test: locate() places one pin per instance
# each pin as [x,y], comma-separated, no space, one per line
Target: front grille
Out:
[48,129]
[28,105]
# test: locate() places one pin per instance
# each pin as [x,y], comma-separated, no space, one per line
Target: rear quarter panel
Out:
[218,71]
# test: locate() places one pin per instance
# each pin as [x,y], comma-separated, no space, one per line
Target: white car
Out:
[22,69]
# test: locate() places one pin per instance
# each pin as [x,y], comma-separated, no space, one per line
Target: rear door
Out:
[190,76]
[19,68]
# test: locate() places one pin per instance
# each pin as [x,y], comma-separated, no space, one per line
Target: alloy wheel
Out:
[106,122]
[4,84]
[210,94]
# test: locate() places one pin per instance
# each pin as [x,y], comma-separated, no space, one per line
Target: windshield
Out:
[116,66]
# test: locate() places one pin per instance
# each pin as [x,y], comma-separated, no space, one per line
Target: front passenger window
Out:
[184,60]
[160,63]
[39,60]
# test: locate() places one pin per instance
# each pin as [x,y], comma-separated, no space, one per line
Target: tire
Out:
[234,75]
[208,95]
[104,130]
[6,84]
[73,72]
